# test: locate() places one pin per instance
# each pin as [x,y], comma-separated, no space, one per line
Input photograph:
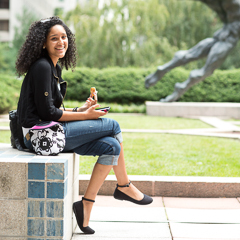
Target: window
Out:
[4,25]
[4,4]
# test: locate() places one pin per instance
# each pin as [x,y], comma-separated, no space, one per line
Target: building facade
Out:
[10,9]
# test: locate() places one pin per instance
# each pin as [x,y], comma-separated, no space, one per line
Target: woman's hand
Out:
[92,113]
[89,102]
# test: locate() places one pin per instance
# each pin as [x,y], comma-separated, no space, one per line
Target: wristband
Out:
[75,109]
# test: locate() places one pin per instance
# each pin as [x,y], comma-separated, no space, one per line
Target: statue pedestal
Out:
[193,109]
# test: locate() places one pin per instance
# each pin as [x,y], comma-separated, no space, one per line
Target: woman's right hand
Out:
[92,113]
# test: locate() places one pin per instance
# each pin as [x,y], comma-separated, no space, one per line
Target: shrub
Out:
[9,94]
[126,85]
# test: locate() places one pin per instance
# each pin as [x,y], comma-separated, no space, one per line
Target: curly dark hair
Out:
[32,49]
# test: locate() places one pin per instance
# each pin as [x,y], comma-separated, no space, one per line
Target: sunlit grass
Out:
[168,154]
[136,121]
[5,136]
[176,155]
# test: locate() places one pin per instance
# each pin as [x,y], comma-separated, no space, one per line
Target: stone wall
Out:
[36,195]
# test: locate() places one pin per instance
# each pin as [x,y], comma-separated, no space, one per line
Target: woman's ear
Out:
[44,46]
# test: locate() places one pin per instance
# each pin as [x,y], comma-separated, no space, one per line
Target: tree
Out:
[119,33]
[137,32]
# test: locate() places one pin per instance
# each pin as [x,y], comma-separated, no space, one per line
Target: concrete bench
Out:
[36,195]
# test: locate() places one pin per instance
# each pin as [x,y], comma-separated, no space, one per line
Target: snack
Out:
[93,93]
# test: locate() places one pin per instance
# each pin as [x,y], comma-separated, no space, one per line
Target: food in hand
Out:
[93,93]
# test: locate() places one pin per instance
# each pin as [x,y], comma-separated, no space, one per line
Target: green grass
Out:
[5,124]
[4,136]
[136,121]
[169,154]
[176,155]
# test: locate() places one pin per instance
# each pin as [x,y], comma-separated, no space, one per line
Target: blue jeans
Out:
[101,137]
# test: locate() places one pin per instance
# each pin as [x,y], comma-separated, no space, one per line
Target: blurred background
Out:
[119,43]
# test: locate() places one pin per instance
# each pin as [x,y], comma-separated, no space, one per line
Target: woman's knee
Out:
[112,146]
[112,149]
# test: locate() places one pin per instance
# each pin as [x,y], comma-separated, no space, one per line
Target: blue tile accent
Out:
[35,227]
[55,228]
[36,239]
[36,171]
[55,171]
[35,209]
[55,209]
[55,190]
[55,238]
[36,189]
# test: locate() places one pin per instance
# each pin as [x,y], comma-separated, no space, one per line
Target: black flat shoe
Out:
[78,211]
[122,196]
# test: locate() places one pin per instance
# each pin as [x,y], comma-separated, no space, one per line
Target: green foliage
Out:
[25,20]
[8,52]
[138,32]
[127,33]
[120,34]
[126,85]
[9,94]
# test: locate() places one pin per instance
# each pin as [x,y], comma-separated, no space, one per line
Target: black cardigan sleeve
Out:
[42,77]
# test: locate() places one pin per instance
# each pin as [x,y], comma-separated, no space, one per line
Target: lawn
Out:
[142,121]
[176,155]
[169,154]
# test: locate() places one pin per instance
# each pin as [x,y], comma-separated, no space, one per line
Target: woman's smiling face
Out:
[56,43]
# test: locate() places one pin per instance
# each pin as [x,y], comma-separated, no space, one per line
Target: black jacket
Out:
[40,97]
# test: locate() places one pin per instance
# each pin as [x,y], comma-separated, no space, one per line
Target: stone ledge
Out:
[36,194]
[190,109]
[173,186]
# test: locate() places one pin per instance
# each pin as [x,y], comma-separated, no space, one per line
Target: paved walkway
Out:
[165,219]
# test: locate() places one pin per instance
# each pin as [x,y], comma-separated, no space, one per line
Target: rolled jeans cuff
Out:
[108,160]
[119,137]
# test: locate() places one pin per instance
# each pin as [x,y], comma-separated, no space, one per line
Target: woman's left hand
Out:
[89,102]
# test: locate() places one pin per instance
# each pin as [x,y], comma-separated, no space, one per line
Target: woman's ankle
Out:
[87,209]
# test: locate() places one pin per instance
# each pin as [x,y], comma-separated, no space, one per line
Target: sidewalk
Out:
[165,219]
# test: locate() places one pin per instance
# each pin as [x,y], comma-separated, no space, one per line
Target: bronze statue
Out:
[216,49]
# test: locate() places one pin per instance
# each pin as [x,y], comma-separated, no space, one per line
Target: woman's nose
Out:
[60,41]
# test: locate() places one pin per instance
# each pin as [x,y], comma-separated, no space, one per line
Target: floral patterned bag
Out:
[47,138]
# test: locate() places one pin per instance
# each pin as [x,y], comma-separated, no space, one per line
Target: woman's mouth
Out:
[62,48]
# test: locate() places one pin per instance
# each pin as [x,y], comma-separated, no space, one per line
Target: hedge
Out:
[9,94]
[126,85]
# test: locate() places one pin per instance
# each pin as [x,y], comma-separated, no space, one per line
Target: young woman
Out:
[49,46]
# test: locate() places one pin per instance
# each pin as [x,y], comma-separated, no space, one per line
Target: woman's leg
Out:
[122,178]
[99,174]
